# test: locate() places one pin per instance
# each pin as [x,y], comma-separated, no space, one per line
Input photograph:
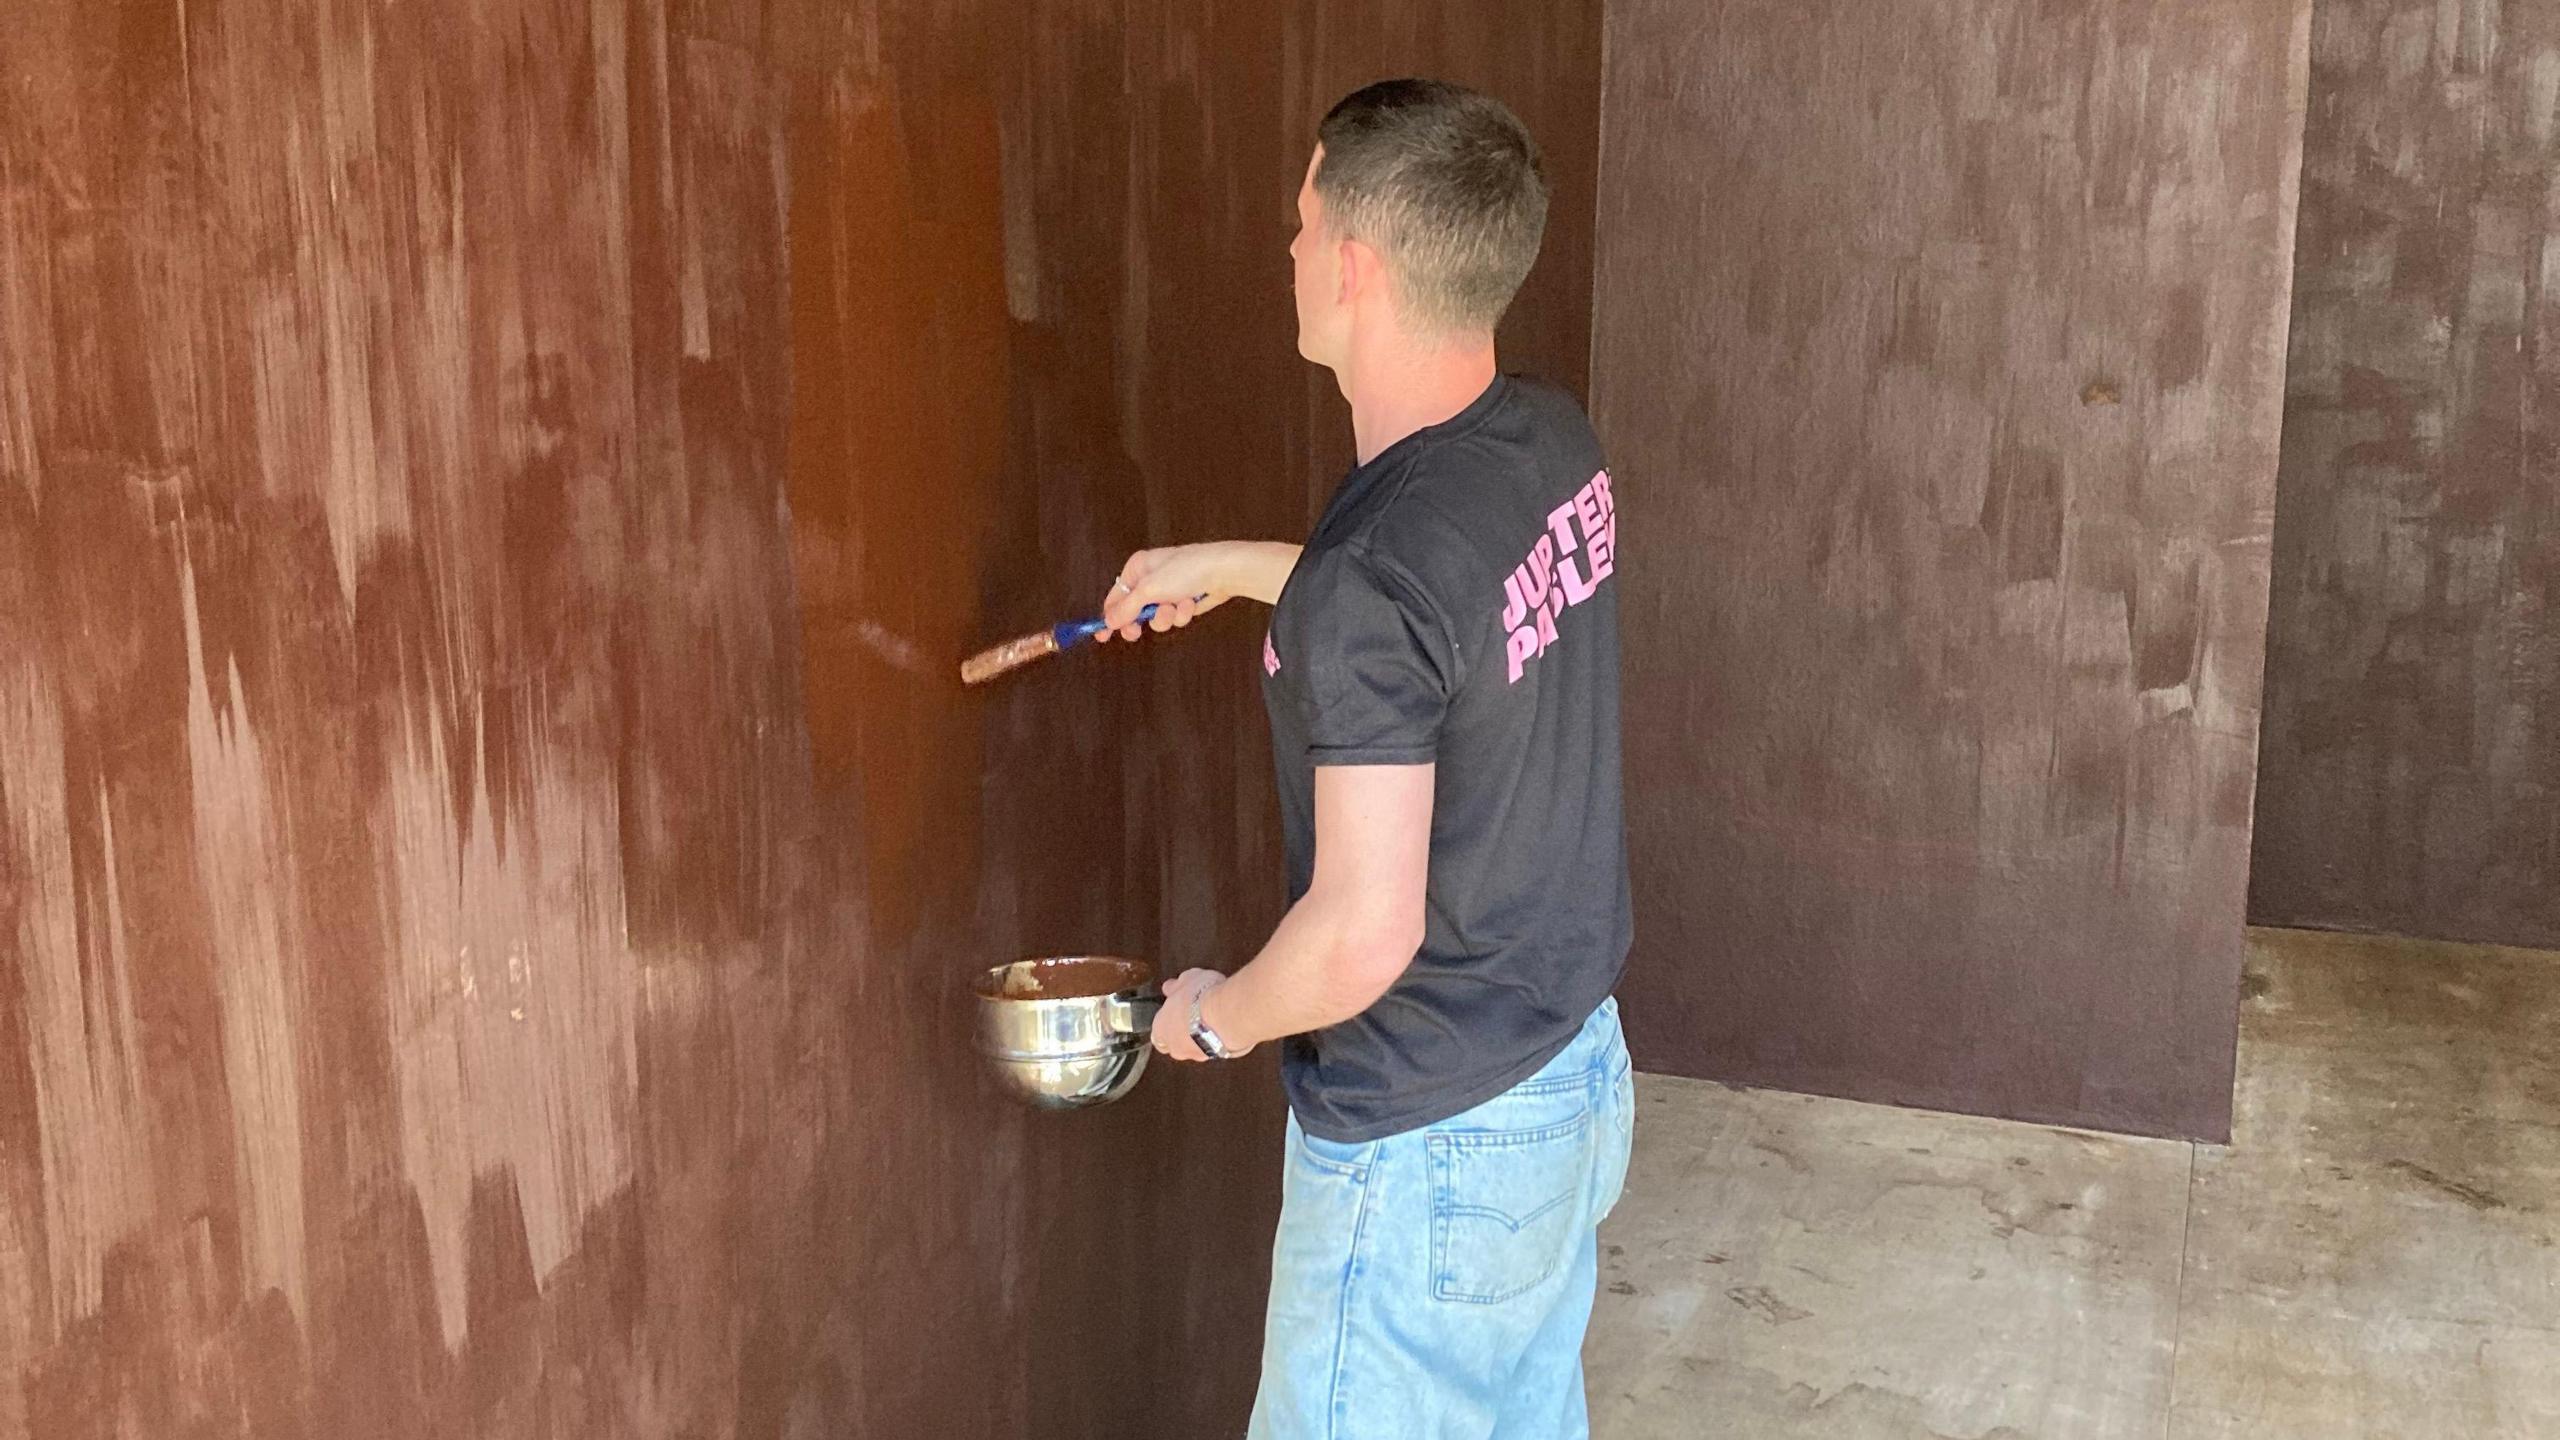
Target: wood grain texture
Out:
[1939,347]
[491,503]
[2411,770]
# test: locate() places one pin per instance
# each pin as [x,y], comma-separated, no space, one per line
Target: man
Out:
[1441,674]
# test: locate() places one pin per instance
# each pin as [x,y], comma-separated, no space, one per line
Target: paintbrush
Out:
[1038,645]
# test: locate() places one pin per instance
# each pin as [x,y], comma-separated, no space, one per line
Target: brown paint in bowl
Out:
[1071,977]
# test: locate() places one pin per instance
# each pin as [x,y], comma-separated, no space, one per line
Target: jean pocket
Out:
[1506,1208]
[1335,1157]
[1618,1143]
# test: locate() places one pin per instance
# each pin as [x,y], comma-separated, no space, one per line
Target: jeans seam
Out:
[1463,1140]
[1348,1171]
[1335,1401]
[1504,1218]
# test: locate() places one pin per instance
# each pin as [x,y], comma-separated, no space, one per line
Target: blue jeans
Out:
[1435,1285]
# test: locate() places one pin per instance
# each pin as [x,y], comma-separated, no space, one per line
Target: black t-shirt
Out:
[1454,606]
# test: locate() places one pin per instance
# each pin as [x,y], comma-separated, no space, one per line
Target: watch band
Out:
[1201,1035]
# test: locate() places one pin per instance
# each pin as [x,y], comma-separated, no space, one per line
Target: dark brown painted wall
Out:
[2411,768]
[1939,349]
[489,512]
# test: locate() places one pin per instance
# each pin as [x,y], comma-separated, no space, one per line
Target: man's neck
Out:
[1405,388]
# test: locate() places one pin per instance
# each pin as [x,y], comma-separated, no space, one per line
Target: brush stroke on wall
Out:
[2410,779]
[1939,348]
[490,501]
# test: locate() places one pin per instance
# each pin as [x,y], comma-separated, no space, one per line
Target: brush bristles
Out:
[1011,655]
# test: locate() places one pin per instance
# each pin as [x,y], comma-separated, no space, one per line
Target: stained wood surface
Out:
[2411,772]
[492,500]
[1939,354]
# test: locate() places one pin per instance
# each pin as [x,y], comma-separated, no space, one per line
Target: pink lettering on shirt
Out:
[1576,589]
[1560,523]
[1552,578]
[1522,645]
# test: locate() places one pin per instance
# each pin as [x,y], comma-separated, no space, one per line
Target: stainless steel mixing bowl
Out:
[1068,1031]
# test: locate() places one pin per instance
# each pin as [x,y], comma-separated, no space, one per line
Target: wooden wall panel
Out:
[1939,348]
[2411,768]
[491,502]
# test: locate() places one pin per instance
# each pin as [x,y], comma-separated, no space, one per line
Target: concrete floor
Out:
[2376,1254]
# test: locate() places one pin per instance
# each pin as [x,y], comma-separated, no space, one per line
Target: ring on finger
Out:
[1123,586]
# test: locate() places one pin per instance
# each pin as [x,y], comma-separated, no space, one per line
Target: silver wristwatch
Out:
[1201,1035]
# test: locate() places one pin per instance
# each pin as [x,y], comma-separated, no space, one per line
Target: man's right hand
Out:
[1215,572]
[1183,582]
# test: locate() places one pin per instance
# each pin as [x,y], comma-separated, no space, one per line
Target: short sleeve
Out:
[1377,663]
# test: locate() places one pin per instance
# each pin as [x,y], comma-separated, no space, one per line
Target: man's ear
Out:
[1361,270]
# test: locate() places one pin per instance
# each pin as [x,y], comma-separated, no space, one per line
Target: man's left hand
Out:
[1173,1023]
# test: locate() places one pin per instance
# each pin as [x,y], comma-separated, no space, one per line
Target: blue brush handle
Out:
[1076,632]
